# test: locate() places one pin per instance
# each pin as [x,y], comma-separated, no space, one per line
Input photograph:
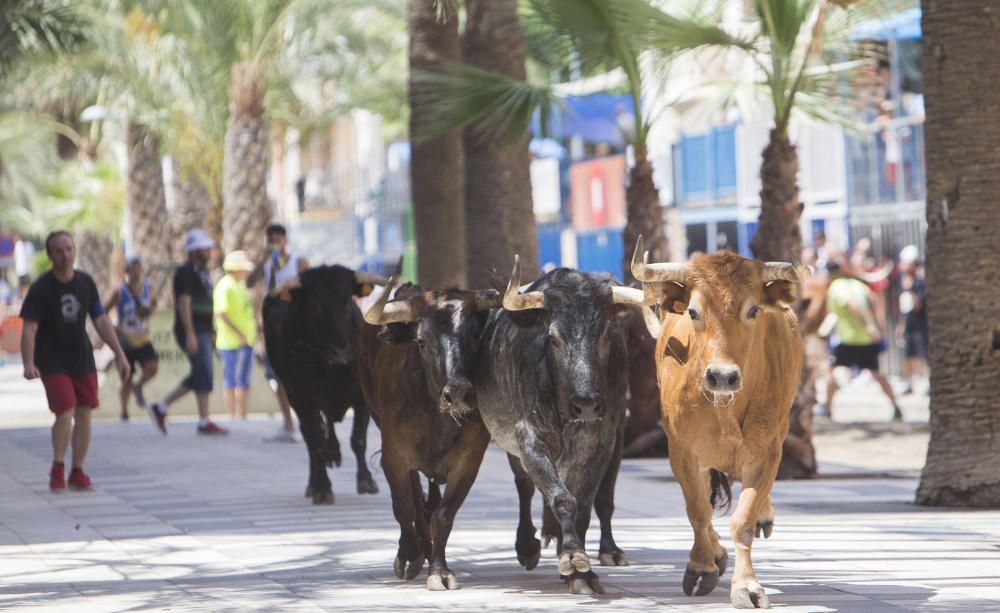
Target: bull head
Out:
[514,300]
[672,272]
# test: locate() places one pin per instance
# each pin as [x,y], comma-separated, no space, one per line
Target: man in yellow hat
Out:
[236,328]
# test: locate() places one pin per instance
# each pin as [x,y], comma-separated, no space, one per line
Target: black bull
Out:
[311,334]
[552,392]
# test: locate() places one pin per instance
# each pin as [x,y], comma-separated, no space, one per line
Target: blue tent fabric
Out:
[596,118]
[901,26]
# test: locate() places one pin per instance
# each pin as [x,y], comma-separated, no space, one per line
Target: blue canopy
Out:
[901,26]
[597,118]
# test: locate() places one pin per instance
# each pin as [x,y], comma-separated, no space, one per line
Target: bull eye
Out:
[752,313]
[555,341]
[694,314]
[421,342]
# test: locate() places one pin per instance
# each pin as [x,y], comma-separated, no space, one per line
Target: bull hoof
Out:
[585,583]
[548,538]
[407,570]
[367,486]
[574,562]
[705,580]
[764,527]
[529,554]
[751,596]
[615,557]
[440,582]
[722,561]
[309,491]
[322,497]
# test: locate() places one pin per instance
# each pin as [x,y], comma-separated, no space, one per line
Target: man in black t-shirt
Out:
[194,331]
[55,348]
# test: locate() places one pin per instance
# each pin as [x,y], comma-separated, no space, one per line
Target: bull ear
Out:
[779,292]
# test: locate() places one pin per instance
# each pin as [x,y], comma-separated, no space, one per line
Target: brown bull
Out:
[728,363]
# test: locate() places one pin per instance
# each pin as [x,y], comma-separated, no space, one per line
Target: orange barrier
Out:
[10,334]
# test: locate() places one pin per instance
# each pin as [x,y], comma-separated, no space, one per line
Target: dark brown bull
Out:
[417,382]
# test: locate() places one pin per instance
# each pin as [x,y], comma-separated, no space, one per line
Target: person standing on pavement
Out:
[237,330]
[850,300]
[280,266]
[55,348]
[193,318]
[913,307]
[135,302]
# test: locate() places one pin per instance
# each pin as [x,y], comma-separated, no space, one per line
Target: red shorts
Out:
[66,392]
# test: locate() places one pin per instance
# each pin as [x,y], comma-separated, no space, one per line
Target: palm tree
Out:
[437,173]
[32,28]
[499,219]
[145,198]
[598,35]
[962,222]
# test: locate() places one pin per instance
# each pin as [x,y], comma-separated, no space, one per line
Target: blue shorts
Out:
[237,366]
[200,379]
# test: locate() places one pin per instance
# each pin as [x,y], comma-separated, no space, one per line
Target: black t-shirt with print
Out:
[62,344]
[198,284]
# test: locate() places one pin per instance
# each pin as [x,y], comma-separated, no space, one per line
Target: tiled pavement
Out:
[185,523]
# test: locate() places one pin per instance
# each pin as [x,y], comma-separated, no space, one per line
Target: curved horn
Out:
[487,299]
[382,313]
[642,270]
[513,300]
[637,297]
[784,271]
[369,278]
[286,286]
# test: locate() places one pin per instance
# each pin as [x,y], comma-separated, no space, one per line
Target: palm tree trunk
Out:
[144,195]
[499,218]
[778,239]
[93,256]
[191,206]
[246,209]
[437,173]
[961,48]
[645,215]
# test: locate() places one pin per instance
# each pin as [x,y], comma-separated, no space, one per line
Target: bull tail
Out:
[722,491]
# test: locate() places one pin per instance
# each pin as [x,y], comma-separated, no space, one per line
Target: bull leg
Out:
[425,508]
[411,555]
[610,554]
[359,442]
[550,528]
[528,547]
[765,521]
[573,559]
[702,569]
[758,472]
[439,576]
[311,427]
[333,455]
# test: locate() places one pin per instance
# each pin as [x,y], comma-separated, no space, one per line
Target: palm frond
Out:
[466,94]
[39,27]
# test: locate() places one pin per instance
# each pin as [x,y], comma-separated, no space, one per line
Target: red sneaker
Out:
[158,414]
[211,428]
[79,481]
[57,478]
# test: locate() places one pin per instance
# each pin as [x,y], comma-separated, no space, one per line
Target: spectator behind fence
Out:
[236,325]
[55,347]
[912,330]
[193,317]
[135,301]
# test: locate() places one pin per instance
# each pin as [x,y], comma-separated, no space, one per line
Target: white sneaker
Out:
[282,436]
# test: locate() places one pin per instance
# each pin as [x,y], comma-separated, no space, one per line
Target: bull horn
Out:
[642,270]
[875,276]
[286,286]
[639,298]
[487,299]
[784,271]
[381,313]
[513,300]
[363,278]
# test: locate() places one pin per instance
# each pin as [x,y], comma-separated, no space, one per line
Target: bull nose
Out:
[458,395]
[586,406]
[723,378]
